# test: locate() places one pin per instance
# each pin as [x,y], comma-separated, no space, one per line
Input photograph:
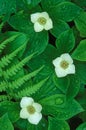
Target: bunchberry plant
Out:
[42,64]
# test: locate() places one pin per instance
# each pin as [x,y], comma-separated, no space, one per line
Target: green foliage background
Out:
[26,67]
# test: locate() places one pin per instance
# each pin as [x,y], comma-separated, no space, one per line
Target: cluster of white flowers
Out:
[64,65]
[30,110]
[41,21]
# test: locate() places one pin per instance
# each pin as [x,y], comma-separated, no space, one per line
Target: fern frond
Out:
[3,86]
[3,97]
[17,67]
[4,43]
[30,90]
[6,60]
[19,82]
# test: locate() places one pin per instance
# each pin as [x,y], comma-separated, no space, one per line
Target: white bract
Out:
[41,21]
[64,65]
[30,110]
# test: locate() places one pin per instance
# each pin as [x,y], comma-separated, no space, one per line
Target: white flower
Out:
[30,110]
[64,65]
[41,21]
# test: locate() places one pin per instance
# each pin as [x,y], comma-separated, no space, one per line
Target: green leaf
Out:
[5,123]
[46,4]
[82,126]
[81,71]
[7,7]
[66,11]
[55,124]
[32,3]
[68,110]
[54,100]
[59,27]
[65,42]
[80,23]
[73,87]
[21,22]
[21,124]
[81,3]
[11,108]
[21,40]
[46,59]
[61,83]
[80,52]
[37,43]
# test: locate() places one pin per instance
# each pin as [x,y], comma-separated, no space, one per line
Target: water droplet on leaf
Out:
[59,101]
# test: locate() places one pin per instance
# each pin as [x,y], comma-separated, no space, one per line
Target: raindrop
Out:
[63,7]
[59,101]
[66,116]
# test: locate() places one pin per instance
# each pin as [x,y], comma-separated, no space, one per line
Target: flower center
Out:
[31,109]
[42,20]
[64,64]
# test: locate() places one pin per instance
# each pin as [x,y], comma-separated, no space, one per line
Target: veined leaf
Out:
[5,123]
[80,51]
[55,124]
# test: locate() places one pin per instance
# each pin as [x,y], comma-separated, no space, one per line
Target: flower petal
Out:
[67,58]
[48,25]
[24,113]
[71,69]
[60,72]
[35,118]
[26,101]
[34,17]
[38,27]
[45,15]
[37,107]
[57,61]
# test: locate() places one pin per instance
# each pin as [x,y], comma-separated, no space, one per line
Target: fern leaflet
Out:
[8,58]
[19,82]
[30,90]
[3,44]
[3,97]
[15,68]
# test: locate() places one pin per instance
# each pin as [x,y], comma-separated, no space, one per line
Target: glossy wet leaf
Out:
[66,11]
[67,111]
[80,23]
[5,123]
[11,108]
[65,42]
[81,71]
[61,83]
[82,126]
[7,7]
[73,88]
[59,27]
[55,124]
[80,52]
